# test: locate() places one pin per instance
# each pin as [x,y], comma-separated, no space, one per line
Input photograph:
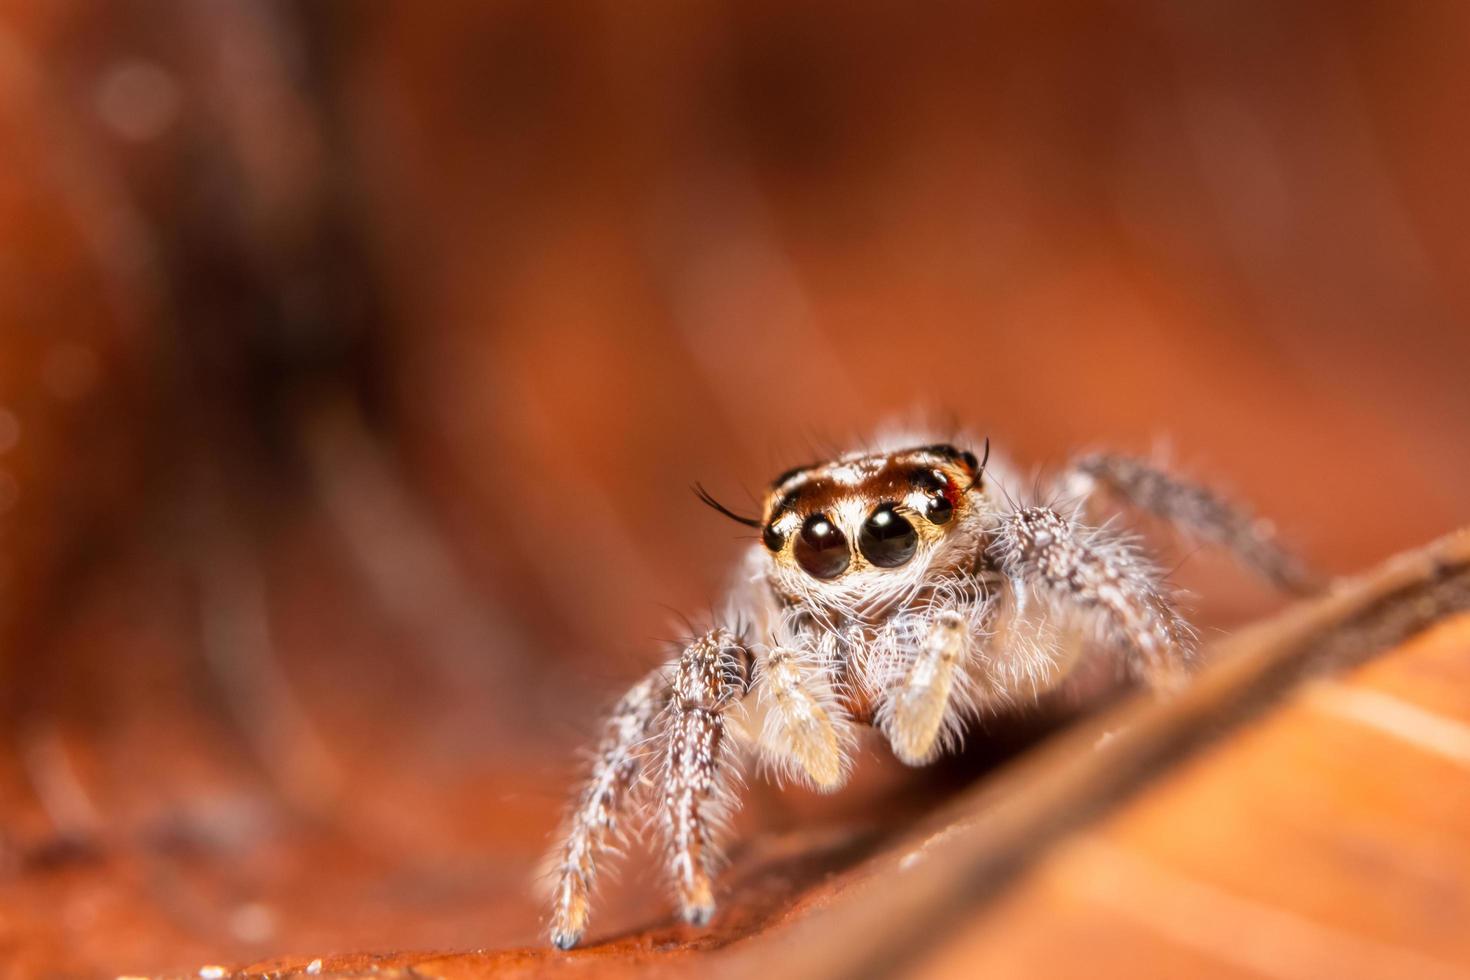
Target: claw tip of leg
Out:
[699,915]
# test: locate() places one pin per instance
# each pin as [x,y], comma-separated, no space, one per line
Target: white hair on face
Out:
[853,473]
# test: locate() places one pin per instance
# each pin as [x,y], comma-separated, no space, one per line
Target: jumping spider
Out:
[898,590]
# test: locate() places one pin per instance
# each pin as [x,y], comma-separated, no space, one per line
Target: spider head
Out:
[871,522]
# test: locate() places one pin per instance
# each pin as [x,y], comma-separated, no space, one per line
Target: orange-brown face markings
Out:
[815,489]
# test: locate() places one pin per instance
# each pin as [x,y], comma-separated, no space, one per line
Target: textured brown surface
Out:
[355,361]
[1328,840]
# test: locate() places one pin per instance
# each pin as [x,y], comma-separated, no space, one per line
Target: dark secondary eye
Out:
[887,539]
[821,549]
[939,508]
[773,538]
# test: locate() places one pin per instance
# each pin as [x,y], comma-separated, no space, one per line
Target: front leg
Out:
[714,672]
[800,735]
[913,713]
[1098,575]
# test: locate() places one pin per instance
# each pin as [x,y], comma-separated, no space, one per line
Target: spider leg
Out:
[914,712]
[799,733]
[593,823]
[713,673]
[1097,575]
[1195,510]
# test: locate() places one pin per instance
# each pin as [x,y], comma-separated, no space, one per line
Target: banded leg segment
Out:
[1195,510]
[1095,573]
[594,822]
[713,674]
[913,713]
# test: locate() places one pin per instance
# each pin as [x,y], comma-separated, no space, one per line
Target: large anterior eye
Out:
[887,539]
[821,549]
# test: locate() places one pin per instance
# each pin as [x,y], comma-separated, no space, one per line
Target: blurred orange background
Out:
[356,360]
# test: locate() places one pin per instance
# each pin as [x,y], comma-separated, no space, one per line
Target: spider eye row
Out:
[887,538]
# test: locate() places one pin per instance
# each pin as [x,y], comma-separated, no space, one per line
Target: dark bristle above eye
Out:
[711,502]
[953,455]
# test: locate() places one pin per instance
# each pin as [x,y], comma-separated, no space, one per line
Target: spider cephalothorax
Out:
[889,589]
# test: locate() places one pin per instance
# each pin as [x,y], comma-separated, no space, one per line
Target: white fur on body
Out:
[987,613]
